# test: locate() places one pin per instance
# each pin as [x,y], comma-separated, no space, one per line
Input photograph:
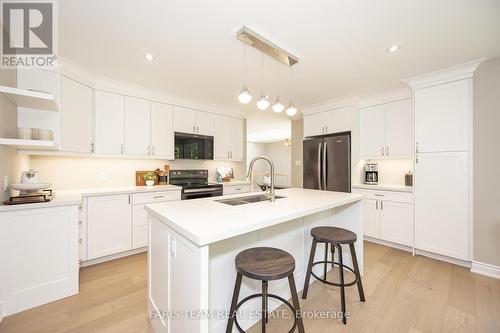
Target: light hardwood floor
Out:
[403,294]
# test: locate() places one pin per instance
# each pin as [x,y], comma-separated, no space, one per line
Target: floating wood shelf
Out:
[30,99]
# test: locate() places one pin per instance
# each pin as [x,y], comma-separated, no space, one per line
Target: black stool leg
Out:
[356,270]
[333,256]
[296,304]
[309,269]
[264,317]
[326,261]
[234,302]
[342,287]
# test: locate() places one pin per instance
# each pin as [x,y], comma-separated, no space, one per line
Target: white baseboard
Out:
[389,244]
[485,269]
[455,261]
[112,257]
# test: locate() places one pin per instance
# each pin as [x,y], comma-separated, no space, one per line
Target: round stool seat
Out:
[334,235]
[265,263]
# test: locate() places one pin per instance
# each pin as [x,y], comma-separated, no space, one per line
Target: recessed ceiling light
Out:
[393,48]
[149,57]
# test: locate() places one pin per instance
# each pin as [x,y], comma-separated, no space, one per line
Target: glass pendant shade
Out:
[277,106]
[244,96]
[291,110]
[263,102]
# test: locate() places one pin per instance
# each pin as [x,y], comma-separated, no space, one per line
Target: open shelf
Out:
[29,144]
[30,99]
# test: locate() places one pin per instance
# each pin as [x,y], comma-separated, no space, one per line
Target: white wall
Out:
[267,126]
[487,163]
[278,153]
[297,153]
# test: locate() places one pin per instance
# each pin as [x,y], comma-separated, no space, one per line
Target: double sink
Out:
[246,200]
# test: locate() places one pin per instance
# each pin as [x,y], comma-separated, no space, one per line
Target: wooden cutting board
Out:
[139,178]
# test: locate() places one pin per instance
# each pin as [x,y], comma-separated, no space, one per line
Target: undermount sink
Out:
[246,200]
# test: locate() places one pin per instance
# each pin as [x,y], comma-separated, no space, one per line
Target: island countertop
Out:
[206,221]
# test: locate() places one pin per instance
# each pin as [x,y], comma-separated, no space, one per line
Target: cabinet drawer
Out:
[237,189]
[145,198]
[381,195]
[139,236]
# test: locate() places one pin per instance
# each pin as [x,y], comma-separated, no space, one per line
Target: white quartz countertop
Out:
[205,221]
[384,187]
[74,197]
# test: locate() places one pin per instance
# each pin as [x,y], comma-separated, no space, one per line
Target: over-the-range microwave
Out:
[193,146]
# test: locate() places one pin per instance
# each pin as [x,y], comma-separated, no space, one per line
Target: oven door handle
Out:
[198,190]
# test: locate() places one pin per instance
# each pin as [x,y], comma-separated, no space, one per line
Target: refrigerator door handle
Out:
[324,166]
[319,166]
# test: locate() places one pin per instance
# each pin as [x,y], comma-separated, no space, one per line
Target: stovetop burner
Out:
[194,184]
[42,196]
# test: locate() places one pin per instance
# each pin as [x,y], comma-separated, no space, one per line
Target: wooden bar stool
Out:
[336,237]
[265,264]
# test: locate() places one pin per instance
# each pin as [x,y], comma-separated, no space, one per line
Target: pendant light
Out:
[291,110]
[278,106]
[263,102]
[244,96]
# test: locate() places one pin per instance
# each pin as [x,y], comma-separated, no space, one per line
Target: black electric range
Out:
[194,184]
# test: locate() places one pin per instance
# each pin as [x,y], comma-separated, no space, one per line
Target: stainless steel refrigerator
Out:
[327,162]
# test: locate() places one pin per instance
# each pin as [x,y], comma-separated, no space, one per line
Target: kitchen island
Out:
[193,245]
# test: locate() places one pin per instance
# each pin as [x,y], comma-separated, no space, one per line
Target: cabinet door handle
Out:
[416,147]
[376,205]
[158,197]
[379,195]
[197,129]
[194,129]
[92,147]
[173,249]
[153,150]
[121,147]
[129,199]
[382,150]
[387,151]
[381,205]
[149,150]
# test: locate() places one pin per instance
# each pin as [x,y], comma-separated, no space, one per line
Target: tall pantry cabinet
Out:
[443,161]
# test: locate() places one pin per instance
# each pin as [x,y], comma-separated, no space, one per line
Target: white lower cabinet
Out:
[388,216]
[109,225]
[119,223]
[38,256]
[442,203]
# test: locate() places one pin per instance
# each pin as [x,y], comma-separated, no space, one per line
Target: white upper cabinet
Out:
[77,117]
[162,130]
[137,126]
[328,122]
[372,131]
[338,120]
[228,138]
[442,116]
[221,137]
[235,143]
[191,121]
[184,120]
[204,123]
[386,130]
[109,122]
[314,124]
[398,128]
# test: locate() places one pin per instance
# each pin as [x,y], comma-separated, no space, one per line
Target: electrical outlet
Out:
[5,183]
[102,176]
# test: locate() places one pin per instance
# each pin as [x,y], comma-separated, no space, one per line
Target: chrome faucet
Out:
[250,168]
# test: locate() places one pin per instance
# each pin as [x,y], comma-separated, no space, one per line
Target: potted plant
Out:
[150,178]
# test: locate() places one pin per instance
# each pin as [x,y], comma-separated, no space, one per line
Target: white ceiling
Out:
[341,44]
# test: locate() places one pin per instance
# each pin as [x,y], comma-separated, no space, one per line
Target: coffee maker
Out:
[371,173]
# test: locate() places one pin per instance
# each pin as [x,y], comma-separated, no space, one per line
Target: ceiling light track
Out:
[251,38]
